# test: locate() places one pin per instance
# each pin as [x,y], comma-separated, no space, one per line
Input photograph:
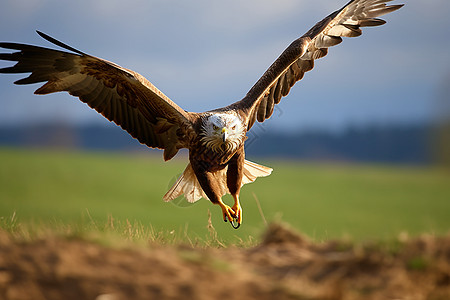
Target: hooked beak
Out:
[224,134]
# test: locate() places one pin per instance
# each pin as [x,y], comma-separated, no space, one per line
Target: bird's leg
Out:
[211,188]
[237,209]
[234,182]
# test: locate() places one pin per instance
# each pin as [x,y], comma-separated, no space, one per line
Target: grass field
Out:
[323,201]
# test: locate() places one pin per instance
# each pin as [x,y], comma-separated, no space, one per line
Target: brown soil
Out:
[284,266]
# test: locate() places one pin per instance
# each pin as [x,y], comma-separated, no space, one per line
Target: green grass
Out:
[323,201]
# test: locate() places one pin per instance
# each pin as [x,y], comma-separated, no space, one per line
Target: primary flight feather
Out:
[215,139]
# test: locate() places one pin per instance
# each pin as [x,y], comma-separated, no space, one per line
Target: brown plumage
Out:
[216,138]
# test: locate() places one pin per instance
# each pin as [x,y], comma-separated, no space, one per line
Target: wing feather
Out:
[299,56]
[262,109]
[120,95]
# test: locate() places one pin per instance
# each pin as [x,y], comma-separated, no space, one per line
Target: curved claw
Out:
[238,212]
[235,221]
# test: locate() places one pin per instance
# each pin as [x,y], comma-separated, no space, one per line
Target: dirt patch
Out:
[284,266]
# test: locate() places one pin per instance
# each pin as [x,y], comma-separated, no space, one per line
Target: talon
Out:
[238,214]
[234,214]
[235,221]
[227,212]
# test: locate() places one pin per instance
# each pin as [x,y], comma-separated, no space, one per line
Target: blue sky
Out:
[205,54]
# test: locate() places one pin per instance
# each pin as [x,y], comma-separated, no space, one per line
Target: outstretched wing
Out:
[121,95]
[299,57]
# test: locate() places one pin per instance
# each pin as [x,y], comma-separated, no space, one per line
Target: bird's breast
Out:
[211,159]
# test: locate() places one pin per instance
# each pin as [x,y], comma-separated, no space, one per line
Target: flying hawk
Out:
[215,138]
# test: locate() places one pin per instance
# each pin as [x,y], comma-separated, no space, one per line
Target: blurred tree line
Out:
[442,131]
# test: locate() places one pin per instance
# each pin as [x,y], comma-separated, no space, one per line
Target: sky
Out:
[206,54]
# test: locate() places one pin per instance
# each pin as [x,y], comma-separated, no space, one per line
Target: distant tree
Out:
[442,132]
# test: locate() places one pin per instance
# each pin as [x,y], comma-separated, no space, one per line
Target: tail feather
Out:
[253,170]
[188,184]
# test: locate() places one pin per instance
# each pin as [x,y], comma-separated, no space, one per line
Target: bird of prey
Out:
[215,139]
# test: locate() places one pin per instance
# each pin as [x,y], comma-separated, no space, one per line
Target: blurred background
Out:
[381,99]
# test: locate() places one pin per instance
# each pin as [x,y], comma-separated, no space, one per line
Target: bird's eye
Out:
[215,127]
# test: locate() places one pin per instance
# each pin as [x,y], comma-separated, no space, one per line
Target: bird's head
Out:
[223,132]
